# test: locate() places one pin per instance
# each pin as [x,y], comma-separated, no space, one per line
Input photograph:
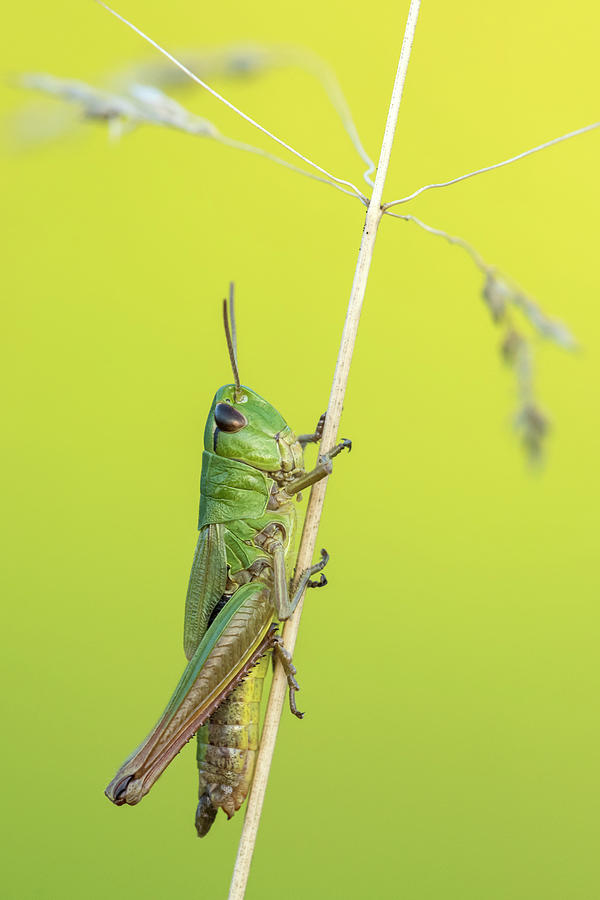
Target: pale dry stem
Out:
[317,496]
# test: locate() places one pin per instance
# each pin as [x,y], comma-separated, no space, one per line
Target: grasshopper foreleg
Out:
[285,658]
[321,470]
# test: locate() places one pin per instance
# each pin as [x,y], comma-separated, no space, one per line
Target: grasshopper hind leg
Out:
[285,658]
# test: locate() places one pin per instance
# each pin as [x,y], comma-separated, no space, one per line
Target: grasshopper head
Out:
[243,426]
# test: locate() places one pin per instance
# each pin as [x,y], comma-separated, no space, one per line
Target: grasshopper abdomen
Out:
[227,747]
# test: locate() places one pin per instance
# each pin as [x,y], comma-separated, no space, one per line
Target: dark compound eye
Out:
[228,418]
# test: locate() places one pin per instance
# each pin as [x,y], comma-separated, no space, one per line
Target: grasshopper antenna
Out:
[232,319]
[231,341]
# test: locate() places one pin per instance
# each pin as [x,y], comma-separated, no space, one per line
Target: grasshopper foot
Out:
[312,570]
[344,444]
[295,712]
[316,584]
[285,658]
[315,437]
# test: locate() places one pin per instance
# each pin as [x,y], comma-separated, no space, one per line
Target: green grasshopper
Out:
[252,468]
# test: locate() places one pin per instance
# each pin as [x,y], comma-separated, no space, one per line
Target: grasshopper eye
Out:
[228,418]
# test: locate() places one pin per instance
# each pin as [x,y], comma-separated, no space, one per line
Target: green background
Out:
[450,670]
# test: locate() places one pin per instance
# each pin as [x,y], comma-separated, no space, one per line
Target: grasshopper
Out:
[239,588]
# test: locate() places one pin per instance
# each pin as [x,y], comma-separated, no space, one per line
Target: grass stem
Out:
[317,496]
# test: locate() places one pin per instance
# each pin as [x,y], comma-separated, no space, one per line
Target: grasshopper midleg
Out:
[252,466]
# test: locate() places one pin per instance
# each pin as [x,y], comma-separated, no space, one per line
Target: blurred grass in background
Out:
[450,670]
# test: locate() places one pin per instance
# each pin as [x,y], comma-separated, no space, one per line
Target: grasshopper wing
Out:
[206,586]
[241,633]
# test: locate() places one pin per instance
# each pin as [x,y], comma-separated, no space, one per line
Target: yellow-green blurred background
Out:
[450,669]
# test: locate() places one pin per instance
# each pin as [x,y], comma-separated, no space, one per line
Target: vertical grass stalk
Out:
[317,496]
